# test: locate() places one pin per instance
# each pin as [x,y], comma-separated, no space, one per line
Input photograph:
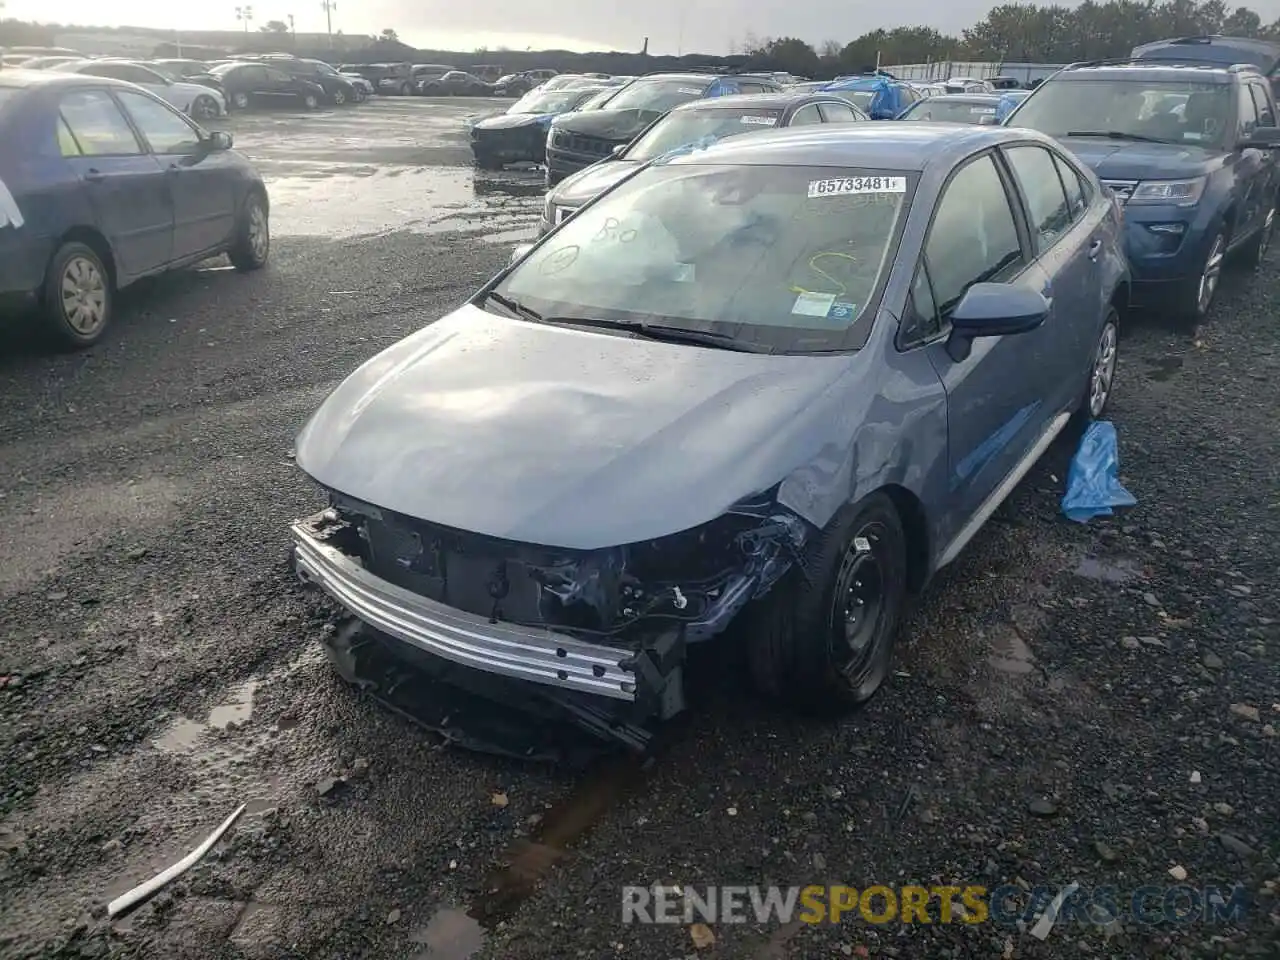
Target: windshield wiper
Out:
[667,333]
[1114,135]
[515,306]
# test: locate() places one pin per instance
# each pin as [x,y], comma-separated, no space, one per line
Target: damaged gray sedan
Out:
[781,380]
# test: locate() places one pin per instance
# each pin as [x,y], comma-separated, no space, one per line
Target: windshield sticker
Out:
[1193,135]
[983,110]
[842,310]
[682,273]
[813,304]
[843,186]
[692,91]
[761,121]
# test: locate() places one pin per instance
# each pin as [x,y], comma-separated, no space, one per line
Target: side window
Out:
[165,129]
[1047,208]
[275,76]
[1248,112]
[973,237]
[805,116]
[98,125]
[67,145]
[137,75]
[922,321]
[837,112]
[1262,102]
[751,87]
[1076,201]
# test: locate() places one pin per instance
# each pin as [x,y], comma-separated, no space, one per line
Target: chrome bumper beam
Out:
[523,653]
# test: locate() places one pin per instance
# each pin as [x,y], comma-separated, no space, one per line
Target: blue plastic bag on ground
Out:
[1093,481]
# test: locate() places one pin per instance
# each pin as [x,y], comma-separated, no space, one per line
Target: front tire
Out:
[310,101]
[1202,290]
[78,296]
[252,244]
[823,641]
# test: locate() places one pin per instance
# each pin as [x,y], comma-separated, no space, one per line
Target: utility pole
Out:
[245,15]
[293,32]
[328,6]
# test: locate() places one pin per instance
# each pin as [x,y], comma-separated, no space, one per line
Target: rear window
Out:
[658,95]
[686,128]
[952,111]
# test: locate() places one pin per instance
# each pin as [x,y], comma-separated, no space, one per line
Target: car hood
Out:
[568,437]
[620,125]
[1128,160]
[587,184]
[508,121]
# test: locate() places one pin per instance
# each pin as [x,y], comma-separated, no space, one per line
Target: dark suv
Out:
[1263,54]
[579,139]
[1187,149]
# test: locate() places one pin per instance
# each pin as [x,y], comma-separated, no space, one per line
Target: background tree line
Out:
[1017,32]
[1009,32]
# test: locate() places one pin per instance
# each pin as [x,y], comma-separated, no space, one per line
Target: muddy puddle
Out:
[369,202]
[1009,654]
[184,735]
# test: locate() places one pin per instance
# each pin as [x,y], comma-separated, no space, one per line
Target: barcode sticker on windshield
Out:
[761,121]
[813,304]
[843,186]
[692,91]
[983,110]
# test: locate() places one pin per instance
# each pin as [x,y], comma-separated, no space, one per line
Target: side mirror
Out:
[1262,138]
[617,151]
[994,310]
[519,253]
[219,140]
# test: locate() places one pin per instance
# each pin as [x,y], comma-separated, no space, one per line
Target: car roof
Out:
[54,78]
[775,98]
[1216,44]
[886,146]
[1148,70]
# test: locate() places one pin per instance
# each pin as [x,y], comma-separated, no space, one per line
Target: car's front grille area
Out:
[1123,189]
[580,143]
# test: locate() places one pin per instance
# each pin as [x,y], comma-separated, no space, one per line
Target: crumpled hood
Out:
[508,121]
[1127,160]
[618,125]
[587,184]
[568,437]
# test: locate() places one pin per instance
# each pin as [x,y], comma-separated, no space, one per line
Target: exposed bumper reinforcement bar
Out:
[523,653]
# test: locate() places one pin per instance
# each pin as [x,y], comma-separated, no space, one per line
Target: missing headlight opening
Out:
[612,621]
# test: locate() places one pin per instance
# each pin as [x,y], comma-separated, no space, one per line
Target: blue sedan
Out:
[784,379]
[103,183]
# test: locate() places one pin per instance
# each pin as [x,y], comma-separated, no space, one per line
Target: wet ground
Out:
[1095,704]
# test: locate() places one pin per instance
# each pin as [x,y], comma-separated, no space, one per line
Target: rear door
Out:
[1252,167]
[202,182]
[1266,107]
[997,405]
[126,185]
[1066,241]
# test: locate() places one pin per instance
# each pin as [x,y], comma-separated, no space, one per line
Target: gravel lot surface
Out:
[1096,704]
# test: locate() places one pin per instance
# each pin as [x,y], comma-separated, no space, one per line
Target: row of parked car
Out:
[207,89]
[801,369]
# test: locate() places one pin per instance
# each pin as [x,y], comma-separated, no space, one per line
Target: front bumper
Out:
[523,653]
[523,143]
[561,161]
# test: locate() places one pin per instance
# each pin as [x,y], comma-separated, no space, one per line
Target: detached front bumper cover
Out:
[524,653]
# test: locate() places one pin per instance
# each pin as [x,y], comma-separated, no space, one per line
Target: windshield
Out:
[1166,111]
[657,95]
[224,68]
[599,99]
[539,101]
[699,127]
[785,257]
[951,111]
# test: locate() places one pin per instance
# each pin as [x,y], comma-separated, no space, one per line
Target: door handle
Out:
[1095,248]
[94,175]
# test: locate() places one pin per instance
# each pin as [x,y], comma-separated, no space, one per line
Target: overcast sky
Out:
[708,26]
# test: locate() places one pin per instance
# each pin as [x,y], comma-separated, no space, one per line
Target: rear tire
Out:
[822,641]
[78,296]
[240,101]
[339,98]
[405,89]
[252,244]
[1099,387]
[204,108]
[1254,252]
[310,101]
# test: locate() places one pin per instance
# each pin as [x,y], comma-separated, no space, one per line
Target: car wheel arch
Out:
[96,242]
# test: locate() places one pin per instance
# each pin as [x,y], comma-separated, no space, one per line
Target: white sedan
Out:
[194,99]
